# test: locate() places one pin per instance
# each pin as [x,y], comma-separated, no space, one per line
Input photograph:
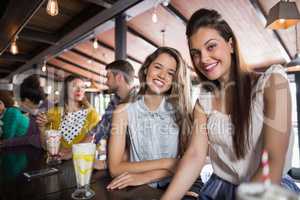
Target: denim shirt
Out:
[102,129]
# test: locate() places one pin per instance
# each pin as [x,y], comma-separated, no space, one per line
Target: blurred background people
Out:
[15,123]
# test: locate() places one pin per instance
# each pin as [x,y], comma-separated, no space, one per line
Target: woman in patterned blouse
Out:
[73,116]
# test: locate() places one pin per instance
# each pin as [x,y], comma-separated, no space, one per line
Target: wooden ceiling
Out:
[66,40]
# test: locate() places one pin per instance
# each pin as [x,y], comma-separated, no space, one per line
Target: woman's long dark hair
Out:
[241,95]
[178,95]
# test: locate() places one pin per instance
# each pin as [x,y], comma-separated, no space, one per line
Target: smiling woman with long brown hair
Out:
[238,115]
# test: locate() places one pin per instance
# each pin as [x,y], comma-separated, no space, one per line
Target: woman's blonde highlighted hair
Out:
[178,95]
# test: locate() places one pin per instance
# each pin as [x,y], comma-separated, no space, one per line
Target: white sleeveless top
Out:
[219,127]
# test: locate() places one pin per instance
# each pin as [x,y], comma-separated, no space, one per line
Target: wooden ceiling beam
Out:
[79,66]
[138,34]
[16,58]
[113,49]
[176,13]
[6,71]
[101,3]
[72,70]
[80,19]
[78,34]
[38,36]
[15,18]
[88,56]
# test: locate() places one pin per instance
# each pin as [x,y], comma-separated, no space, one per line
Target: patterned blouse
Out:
[73,125]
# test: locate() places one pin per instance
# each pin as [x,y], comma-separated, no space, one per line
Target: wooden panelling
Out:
[84,62]
[136,47]
[72,69]
[101,53]
[174,29]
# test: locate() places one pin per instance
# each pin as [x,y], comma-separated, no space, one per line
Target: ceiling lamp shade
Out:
[283,15]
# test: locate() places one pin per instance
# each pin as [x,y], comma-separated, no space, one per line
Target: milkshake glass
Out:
[53,138]
[83,159]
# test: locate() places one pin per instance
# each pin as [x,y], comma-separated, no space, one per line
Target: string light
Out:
[158,2]
[52,7]
[154,16]
[166,2]
[44,67]
[95,43]
[13,47]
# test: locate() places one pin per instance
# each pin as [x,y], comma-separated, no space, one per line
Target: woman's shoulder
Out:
[56,110]
[123,107]
[12,111]
[91,109]
[92,116]
[271,70]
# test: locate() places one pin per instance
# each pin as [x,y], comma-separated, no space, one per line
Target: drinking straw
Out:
[266,168]
[93,138]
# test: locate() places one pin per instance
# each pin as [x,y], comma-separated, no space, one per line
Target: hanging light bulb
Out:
[13,47]
[166,2]
[52,7]
[44,67]
[154,16]
[95,43]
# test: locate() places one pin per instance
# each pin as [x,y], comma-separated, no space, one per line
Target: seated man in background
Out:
[120,76]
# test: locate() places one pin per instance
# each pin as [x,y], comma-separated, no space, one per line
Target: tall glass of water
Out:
[83,159]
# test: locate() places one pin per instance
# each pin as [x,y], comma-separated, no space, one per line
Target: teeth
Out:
[158,82]
[210,66]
